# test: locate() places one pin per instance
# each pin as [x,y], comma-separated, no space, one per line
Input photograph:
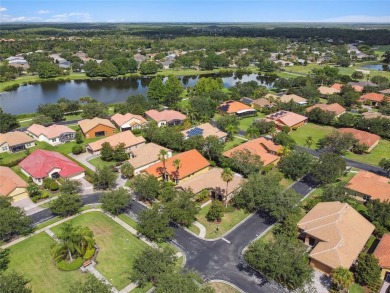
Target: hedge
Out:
[89,253]
[70,266]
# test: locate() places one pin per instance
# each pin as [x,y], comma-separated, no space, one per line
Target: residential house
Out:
[166,117]
[295,98]
[139,58]
[336,232]
[54,134]
[372,99]
[336,108]
[129,140]
[286,118]
[325,90]
[15,141]
[11,185]
[382,253]
[362,84]
[212,181]
[205,130]
[246,101]
[128,121]
[385,92]
[96,127]
[192,163]
[146,155]
[266,149]
[369,186]
[236,108]
[371,115]
[363,137]
[356,87]
[42,164]
[267,102]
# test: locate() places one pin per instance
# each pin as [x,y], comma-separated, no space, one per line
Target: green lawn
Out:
[223,288]
[47,223]
[118,247]
[98,162]
[229,220]
[246,122]
[233,143]
[382,150]
[32,259]
[315,131]
[129,221]
[355,288]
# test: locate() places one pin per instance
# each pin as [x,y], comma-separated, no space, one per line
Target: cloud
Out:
[2,9]
[359,18]
[71,17]
[9,18]
[42,11]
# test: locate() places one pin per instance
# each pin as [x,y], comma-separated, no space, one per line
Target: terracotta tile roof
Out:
[375,186]
[231,107]
[342,232]
[88,124]
[325,90]
[212,180]
[260,147]
[335,107]
[337,86]
[40,163]
[363,137]
[287,118]
[370,115]
[166,115]
[206,129]
[120,119]
[50,132]
[15,138]
[382,251]
[191,162]
[262,102]
[372,97]
[126,137]
[9,181]
[295,98]
[146,154]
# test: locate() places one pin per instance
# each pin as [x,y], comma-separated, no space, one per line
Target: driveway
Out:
[27,205]
[84,158]
[86,187]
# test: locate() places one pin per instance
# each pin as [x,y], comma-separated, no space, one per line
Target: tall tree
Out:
[227,176]
[367,271]
[181,282]
[91,285]
[8,122]
[173,89]
[154,224]
[116,201]
[342,279]
[163,156]
[177,164]
[66,204]
[4,259]
[156,91]
[104,178]
[14,283]
[146,187]
[329,168]
[296,164]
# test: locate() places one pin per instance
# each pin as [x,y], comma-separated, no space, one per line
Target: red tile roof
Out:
[260,147]
[337,86]
[9,181]
[231,107]
[335,107]
[363,137]
[191,162]
[40,163]
[372,97]
[166,115]
[382,252]
[375,186]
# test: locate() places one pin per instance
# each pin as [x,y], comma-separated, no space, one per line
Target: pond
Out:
[26,99]
[380,67]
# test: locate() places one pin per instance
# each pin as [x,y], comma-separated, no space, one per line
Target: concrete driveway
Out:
[86,187]
[27,205]
[84,158]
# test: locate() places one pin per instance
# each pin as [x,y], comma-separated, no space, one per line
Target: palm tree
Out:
[162,156]
[73,241]
[231,130]
[177,164]
[227,175]
[342,278]
[252,132]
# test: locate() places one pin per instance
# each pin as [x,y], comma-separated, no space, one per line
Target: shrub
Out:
[70,266]
[77,149]
[89,253]
[47,182]
[216,211]
[54,186]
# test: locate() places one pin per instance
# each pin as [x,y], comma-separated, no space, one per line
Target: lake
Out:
[380,67]
[26,99]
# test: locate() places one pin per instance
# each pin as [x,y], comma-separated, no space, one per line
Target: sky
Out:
[366,11]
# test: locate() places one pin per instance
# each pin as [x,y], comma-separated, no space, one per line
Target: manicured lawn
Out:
[246,122]
[355,288]
[382,150]
[194,229]
[118,247]
[98,162]
[315,131]
[18,171]
[223,288]
[229,220]
[47,223]
[32,259]
[128,220]
[233,143]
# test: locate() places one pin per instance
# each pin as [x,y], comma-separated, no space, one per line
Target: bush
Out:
[54,186]
[77,149]
[89,253]
[47,182]
[216,211]
[70,266]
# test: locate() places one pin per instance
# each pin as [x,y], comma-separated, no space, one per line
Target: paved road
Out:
[219,259]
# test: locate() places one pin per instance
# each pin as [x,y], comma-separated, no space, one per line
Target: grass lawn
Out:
[382,150]
[129,221]
[98,162]
[246,122]
[194,229]
[47,223]
[355,288]
[229,220]
[223,288]
[118,247]
[315,131]
[233,143]
[32,259]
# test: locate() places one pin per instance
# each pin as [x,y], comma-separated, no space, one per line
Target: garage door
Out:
[20,196]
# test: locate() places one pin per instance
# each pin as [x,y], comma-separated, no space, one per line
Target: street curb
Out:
[227,283]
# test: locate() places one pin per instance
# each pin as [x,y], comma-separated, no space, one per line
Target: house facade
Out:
[166,117]
[54,134]
[369,186]
[236,108]
[96,127]
[15,141]
[128,121]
